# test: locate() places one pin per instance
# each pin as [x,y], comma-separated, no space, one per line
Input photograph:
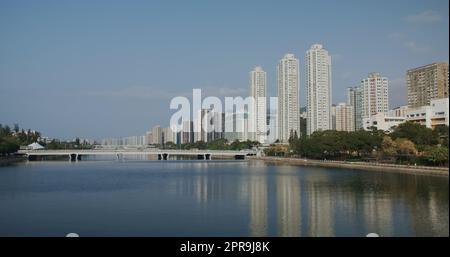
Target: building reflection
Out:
[201,189]
[433,213]
[378,213]
[206,187]
[346,206]
[320,209]
[426,206]
[258,203]
[288,201]
[288,205]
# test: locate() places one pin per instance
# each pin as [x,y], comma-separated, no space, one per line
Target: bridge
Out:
[75,155]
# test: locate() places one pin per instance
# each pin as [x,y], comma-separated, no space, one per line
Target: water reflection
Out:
[258,200]
[220,198]
[320,205]
[317,202]
[288,206]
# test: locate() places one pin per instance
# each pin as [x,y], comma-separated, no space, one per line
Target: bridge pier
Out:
[163,156]
[31,157]
[74,157]
[205,156]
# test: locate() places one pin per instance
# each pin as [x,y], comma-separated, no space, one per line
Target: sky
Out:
[99,69]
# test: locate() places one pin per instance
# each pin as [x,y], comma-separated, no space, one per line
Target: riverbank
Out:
[373,166]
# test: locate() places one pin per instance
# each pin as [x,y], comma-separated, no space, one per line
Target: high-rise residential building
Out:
[427,83]
[148,137]
[133,141]
[217,122]
[272,126]
[258,90]
[157,135]
[168,135]
[375,95]
[210,124]
[318,89]
[288,97]
[344,116]
[202,126]
[187,132]
[354,98]
[236,127]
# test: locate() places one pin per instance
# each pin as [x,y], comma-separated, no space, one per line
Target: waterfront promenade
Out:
[374,166]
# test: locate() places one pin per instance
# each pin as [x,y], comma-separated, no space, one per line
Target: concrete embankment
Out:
[419,170]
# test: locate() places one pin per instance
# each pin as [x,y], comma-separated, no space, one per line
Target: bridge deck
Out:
[136,152]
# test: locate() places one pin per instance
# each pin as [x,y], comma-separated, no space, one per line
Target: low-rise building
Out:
[398,111]
[431,115]
[382,121]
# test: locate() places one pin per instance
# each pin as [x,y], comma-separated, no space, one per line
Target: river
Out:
[216,198]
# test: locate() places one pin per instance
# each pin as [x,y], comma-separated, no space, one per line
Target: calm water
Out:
[216,198]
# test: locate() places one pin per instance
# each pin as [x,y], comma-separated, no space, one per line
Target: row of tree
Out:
[12,138]
[218,144]
[409,143]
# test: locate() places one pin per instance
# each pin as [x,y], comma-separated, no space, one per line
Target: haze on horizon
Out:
[97,69]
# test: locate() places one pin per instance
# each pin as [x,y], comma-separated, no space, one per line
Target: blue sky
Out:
[98,69]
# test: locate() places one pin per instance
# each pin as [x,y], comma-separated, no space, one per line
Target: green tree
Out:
[389,147]
[218,144]
[276,150]
[442,132]
[420,135]
[8,145]
[5,131]
[406,149]
[437,155]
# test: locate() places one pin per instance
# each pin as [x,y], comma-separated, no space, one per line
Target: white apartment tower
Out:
[318,89]
[288,97]
[375,97]
[258,90]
